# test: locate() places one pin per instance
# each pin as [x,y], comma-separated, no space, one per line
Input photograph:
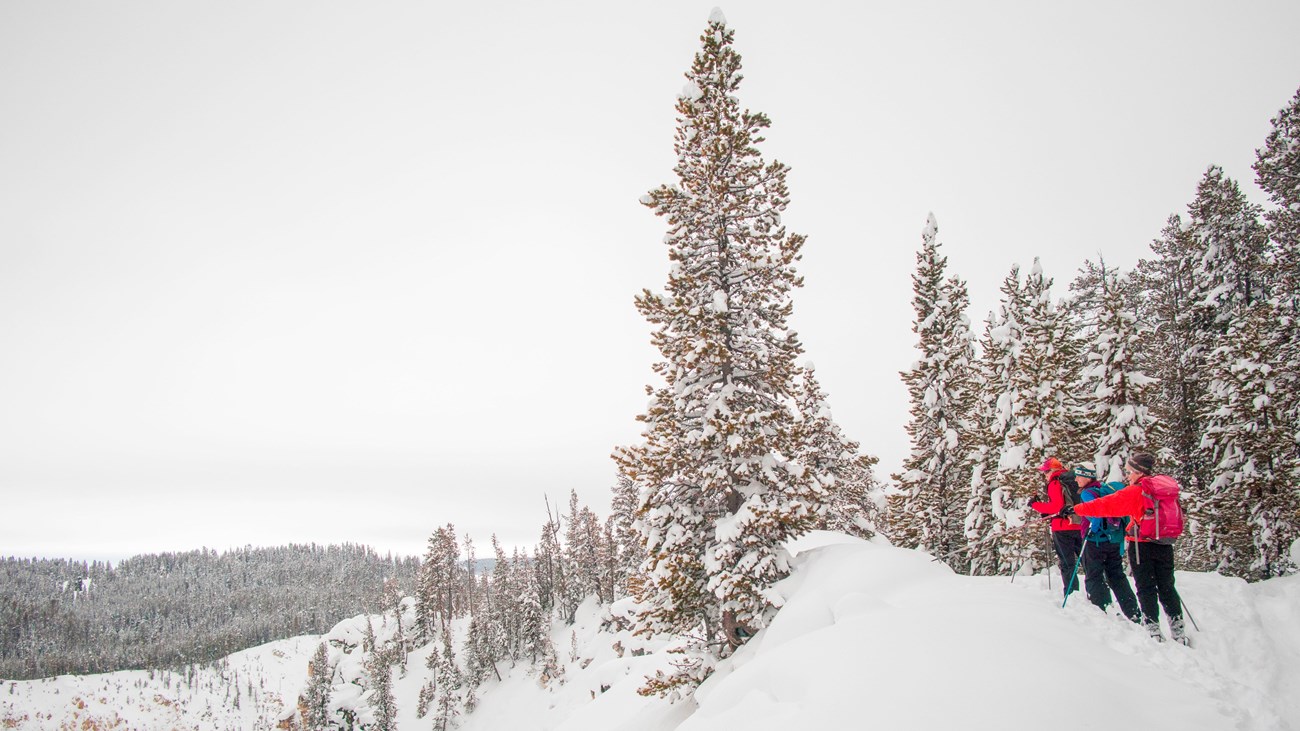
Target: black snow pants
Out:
[1105,574]
[1067,543]
[1153,574]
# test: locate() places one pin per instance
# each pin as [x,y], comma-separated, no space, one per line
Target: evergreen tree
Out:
[994,407]
[504,609]
[428,696]
[480,651]
[315,706]
[1277,169]
[930,512]
[1114,391]
[469,594]
[438,582]
[1230,249]
[383,704]
[1043,425]
[1249,511]
[550,572]
[1171,354]
[723,494]
[610,578]
[534,617]
[850,504]
[630,551]
[1026,413]
[449,682]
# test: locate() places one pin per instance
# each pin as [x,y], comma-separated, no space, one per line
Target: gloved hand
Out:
[1036,499]
[1066,511]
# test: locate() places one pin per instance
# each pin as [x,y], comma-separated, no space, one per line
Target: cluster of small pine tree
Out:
[471,618]
[1193,356]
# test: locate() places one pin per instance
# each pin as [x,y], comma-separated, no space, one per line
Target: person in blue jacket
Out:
[1103,550]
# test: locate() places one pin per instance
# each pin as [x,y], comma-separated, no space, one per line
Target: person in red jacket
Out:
[1151,545]
[1066,536]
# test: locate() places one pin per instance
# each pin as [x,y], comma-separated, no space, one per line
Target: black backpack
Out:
[1070,493]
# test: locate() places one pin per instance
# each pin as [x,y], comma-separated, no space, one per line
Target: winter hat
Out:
[1142,462]
[1085,471]
[1051,465]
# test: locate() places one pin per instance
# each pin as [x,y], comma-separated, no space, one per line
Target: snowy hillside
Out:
[869,636]
[247,690]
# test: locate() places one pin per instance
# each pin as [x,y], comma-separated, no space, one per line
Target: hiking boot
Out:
[1154,629]
[1178,632]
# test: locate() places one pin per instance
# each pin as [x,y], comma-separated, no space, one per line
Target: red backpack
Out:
[1163,518]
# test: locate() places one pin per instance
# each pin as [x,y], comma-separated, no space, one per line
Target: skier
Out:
[1151,502]
[1066,536]
[1103,549]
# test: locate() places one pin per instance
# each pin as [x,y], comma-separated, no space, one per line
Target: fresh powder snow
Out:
[869,636]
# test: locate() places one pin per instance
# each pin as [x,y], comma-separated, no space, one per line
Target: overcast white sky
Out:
[318,271]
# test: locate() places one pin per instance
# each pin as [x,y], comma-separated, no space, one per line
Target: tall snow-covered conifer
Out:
[1178,405]
[935,480]
[1229,250]
[1249,509]
[1277,169]
[723,490]
[995,407]
[1030,368]
[1114,391]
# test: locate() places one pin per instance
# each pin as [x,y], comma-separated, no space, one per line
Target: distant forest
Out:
[173,609]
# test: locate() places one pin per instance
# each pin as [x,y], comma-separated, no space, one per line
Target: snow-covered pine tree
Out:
[534,619]
[448,681]
[504,609]
[1229,250]
[391,603]
[610,578]
[1230,245]
[931,510]
[624,507]
[480,651]
[428,696]
[1031,366]
[469,592]
[438,583]
[315,704]
[1249,511]
[549,668]
[1277,170]
[368,638]
[1178,404]
[850,506]
[549,570]
[1114,392]
[995,406]
[1043,381]
[722,492]
[580,556]
[383,704]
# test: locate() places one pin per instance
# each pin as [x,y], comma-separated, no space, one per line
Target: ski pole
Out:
[1188,612]
[1077,561]
[1073,574]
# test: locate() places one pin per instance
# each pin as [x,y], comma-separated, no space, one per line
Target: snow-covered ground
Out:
[252,689]
[870,636]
